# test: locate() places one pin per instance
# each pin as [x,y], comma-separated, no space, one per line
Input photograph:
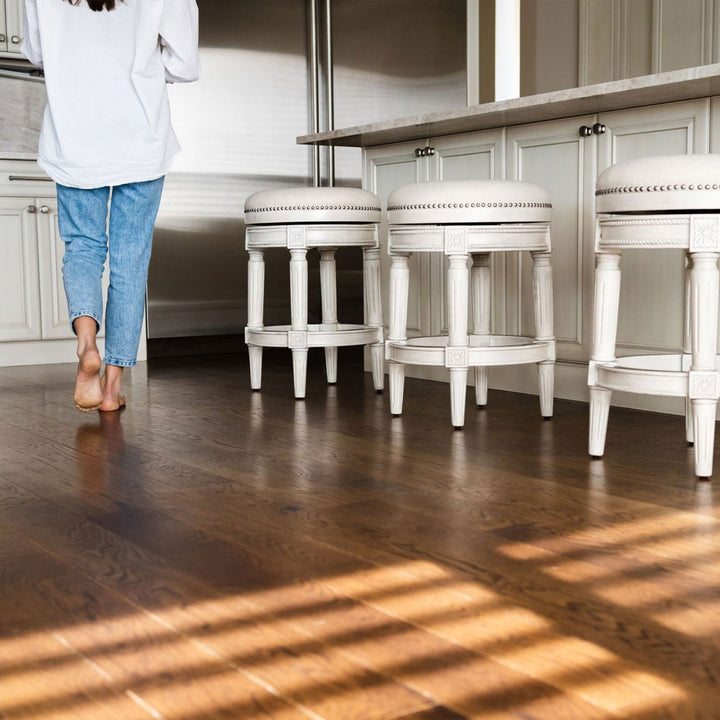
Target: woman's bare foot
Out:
[110,384]
[88,392]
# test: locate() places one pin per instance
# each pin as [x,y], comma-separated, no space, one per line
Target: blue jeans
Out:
[117,221]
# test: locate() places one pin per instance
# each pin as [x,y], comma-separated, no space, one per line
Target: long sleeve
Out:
[31,46]
[179,41]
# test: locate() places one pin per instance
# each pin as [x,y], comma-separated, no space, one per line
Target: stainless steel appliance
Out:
[238,125]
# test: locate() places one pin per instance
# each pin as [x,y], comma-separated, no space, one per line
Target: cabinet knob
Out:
[599,129]
[32,209]
[424,152]
[585,131]
[3,38]
[16,39]
[45,209]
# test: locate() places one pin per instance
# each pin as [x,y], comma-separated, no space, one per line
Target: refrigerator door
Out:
[237,126]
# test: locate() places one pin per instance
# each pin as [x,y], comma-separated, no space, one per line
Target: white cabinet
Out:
[34,322]
[19,280]
[11,27]
[556,156]
[32,302]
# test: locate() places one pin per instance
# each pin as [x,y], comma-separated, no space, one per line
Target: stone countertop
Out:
[687,84]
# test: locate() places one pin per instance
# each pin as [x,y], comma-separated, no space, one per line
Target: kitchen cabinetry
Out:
[564,156]
[11,27]
[34,323]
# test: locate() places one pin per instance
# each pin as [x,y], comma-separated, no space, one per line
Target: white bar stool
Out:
[468,220]
[650,204]
[298,219]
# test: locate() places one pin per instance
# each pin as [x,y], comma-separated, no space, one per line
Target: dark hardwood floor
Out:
[215,553]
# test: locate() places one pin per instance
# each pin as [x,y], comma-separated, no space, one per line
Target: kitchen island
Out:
[562,141]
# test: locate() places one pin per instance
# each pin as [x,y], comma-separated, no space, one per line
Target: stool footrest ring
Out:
[664,374]
[482,350]
[330,335]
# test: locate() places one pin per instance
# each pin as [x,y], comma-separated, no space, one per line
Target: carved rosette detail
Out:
[704,234]
[456,241]
[456,357]
[297,339]
[296,237]
[703,385]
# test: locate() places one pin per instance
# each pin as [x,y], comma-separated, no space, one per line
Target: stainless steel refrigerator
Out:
[238,124]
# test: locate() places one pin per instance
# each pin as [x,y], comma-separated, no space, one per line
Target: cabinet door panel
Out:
[14,16]
[555,157]
[385,169]
[472,156]
[19,289]
[652,295]
[55,318]
[3,27]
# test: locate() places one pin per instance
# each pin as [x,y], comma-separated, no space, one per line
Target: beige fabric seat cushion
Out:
[660,184]
[312,205]
[466,202]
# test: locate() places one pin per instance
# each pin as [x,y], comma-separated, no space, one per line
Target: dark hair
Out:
[97,5]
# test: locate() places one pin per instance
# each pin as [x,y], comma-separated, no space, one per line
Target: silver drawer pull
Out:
[29,178]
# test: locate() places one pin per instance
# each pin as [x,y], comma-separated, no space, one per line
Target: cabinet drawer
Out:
[23,178]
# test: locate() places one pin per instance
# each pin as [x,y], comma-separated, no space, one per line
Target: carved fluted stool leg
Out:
[399,288]
[297,337]
[256,295]
[328,299]
[605,318]
[372,293]
[481,288]
[456,358]
[703,377]
[543,306]
[687,349]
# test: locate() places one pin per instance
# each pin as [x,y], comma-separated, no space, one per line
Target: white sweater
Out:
[107,120]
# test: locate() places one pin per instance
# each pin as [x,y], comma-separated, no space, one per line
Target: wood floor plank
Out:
[328,554]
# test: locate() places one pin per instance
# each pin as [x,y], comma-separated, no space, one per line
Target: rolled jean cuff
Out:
[119,363]
[84,313]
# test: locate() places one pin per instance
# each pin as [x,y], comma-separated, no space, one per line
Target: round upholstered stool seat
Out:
[312,205]
[468,220]
[299,219]
[658,184]
[647,204]
[468,202]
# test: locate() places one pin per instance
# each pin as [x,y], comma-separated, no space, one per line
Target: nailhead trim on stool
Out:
[311,205]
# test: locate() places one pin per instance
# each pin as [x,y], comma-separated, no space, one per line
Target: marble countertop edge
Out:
[677,85]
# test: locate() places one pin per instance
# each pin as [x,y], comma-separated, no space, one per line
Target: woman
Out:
[107,141]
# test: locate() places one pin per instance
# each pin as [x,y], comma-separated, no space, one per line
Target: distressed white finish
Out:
[323,219]
[459,243]
[654,204]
